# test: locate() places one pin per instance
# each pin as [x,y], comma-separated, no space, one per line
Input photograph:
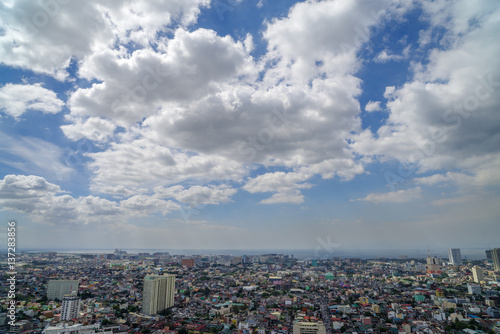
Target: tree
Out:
[166,312]
[183,330]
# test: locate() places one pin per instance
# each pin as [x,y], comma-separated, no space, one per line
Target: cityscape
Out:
[122,292]
[249,166]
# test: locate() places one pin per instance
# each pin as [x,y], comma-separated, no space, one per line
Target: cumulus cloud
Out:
[399,196]
[93,128]
[445,118]
[145,205]
[385,56]
[17,99]
[201,93]
[44,201]
[373,106]
[47,35]
[132,87]
[143,164]
[197,195]
[293,197]
[285,185]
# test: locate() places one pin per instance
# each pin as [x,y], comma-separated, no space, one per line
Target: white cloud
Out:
[445,118]
[293,197]
[142,164]
[45,36]
[384,56]
[373,106]
[17,99]
[399,196]
[32,155]
[482,173]
[43,201]
[333,29]
[145,205]
[442,178]
[193,100]
[285,185]
[195,108]
[93,128]
[197,195]
[30,186]
[132,87]
[46,202]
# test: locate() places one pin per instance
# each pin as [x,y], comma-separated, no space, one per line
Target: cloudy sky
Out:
[250,124]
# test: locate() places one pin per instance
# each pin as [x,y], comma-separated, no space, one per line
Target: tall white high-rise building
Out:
[70,307]
[495,257]
[158,293]
[455,256]
[59,288]
[477,274]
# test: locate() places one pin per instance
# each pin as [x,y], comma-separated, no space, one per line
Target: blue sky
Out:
[250,124]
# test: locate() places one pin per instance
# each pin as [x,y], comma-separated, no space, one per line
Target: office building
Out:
[187,263]
[473,289]
[309,328]
[433,266]
[158,293]
[455,256]
[477,274]
[495,257]
[70,308]
[57,289]
[488,255]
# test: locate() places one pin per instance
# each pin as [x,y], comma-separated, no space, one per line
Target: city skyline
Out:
[239,124]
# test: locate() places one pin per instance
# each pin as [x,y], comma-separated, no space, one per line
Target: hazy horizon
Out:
[318,253]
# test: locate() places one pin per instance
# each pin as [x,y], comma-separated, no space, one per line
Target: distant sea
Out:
[467,253]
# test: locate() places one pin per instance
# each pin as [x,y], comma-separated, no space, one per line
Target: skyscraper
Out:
[488,255]
[59,288]
[158,293]
[455,257]
[495,256]
[477,274]
[70,307]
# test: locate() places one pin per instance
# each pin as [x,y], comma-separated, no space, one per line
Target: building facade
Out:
[433,266]
[477,274]
[188,263]
[158,293]
[455,257]
[70,308]
[57,289]
[495,257]
[309,328]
